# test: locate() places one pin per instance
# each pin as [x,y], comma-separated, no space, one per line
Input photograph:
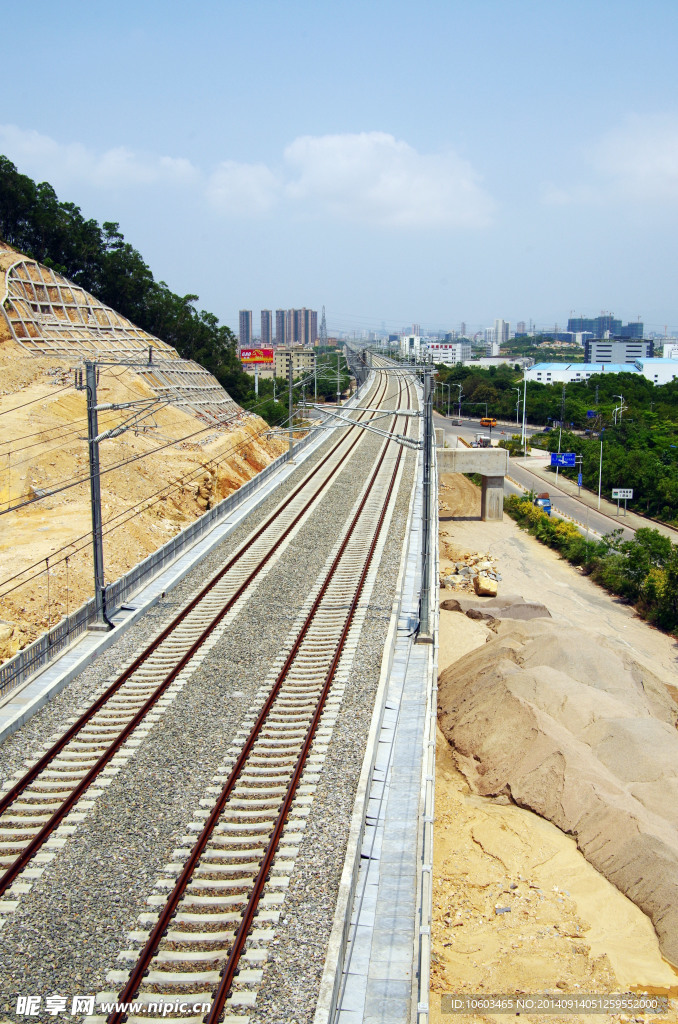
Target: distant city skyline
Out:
[465,191]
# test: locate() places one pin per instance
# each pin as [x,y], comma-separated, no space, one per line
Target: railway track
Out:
[207,942]
[43,806]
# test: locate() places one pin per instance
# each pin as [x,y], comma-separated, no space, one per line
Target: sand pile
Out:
[581,733]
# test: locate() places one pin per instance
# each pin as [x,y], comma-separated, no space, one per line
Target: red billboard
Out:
[256,355]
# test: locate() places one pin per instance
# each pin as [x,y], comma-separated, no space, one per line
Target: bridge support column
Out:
[492,501]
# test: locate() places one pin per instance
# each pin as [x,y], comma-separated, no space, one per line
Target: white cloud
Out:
[637,162]
[368,178]
[64,164]
[375,178]
[243,189]
[641,158]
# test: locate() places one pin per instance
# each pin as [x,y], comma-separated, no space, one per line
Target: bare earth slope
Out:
[43,432]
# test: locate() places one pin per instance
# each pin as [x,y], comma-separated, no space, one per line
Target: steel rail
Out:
[8,798]
[26,855]
[148,952]
[224,987]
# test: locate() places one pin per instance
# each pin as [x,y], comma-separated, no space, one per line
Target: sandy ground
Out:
[43,432]
[568,928]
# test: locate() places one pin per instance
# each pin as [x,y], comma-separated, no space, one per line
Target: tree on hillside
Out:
[97,257]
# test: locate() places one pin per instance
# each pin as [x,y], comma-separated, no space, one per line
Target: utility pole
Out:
[424,605]
[338,378]
[101,622]
[289,401]
[522,435]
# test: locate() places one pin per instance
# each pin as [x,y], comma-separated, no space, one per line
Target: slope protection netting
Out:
[50,316]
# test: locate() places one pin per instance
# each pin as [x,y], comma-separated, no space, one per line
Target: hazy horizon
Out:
[398,164]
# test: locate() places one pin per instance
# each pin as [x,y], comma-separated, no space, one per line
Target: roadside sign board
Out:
[579,479]
[591,414]
[563,459]
[622,492]
[256,355]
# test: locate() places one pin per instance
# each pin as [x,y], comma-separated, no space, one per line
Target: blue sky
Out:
[397,163]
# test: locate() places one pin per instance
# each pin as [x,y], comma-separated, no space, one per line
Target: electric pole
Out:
[289,401]
[424,606]
[101,622]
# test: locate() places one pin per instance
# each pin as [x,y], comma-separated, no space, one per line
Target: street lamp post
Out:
[517,403]
[461,395]
[619,409]
[443,385]
[522,435]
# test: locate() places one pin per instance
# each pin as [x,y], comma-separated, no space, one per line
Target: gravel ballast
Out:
[67,931]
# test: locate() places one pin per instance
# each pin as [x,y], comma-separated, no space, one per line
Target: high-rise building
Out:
[294,326]
[462,330]
[606,326]
[309,326]
[280,334]
[501,331]
[266,328]
[245,327]
[520,327]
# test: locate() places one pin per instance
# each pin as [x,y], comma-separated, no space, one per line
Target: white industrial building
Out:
[486,361]
[448,352]
[659,371]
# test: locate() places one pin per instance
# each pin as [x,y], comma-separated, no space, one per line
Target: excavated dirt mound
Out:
[583,735]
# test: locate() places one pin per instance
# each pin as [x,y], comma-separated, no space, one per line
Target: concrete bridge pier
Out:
[492,501]
[490,463]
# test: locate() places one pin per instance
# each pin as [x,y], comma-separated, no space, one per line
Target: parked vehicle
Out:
[482,441]
[543,501]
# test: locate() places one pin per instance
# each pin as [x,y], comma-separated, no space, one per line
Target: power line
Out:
[34,400]
[169,488]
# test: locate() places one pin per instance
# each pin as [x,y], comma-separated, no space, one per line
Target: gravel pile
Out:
[66,933]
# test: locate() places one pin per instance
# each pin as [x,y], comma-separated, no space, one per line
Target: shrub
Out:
[643,570]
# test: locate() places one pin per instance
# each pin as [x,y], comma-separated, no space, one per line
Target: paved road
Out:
[568,504]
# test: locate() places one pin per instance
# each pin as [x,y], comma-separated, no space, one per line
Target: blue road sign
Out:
[591,415]
[579,479]
[563,459]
